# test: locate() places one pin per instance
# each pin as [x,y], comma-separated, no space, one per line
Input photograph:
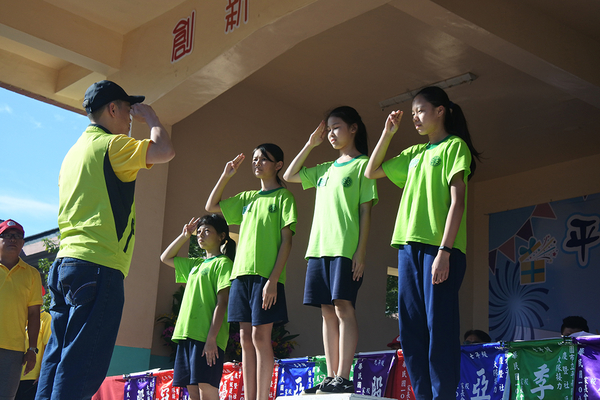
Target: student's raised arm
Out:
[374,170]
[292,174]
[168,256]
[161,149]
[212,204]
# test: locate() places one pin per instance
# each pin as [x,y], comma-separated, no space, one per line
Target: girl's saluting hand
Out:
[232,166]
[393,121]
[317,137]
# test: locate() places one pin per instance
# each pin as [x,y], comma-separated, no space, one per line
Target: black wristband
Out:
[446,249]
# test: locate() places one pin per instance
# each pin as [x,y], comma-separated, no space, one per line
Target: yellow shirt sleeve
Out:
[127,156]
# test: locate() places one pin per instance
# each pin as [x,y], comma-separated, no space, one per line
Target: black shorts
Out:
[191,368]
[245,302]
[329,279]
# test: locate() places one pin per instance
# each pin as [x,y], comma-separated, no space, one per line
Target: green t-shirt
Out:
[425,172]
[204,278]
[341,189]
[261,216]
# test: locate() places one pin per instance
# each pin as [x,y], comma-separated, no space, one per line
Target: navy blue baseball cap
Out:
[103,92]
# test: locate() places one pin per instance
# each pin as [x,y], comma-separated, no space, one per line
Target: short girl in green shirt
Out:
[267,219]
[202,329]
[430,235]
[337,246]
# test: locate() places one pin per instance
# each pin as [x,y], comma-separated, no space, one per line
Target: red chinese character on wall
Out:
[183,38]
[234,12]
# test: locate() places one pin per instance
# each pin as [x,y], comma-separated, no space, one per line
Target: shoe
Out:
[337,385]
[313,390]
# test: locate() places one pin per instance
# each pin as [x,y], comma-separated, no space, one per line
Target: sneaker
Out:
[337,385]
[313,390]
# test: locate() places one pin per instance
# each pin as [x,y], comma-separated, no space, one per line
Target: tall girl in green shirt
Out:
[337,246]
[267,219]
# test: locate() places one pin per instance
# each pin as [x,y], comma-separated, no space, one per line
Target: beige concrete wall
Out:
[237,122]
[137,324]
[241,119]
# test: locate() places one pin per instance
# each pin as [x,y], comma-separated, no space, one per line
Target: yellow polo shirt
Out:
[20,288]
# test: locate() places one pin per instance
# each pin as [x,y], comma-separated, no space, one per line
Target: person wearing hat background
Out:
[96,218]
[20,302]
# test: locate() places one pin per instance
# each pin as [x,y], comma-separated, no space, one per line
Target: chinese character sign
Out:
[483,372]
[183,37]
[371,373]
[542,369]
[164,386]
[140,388]
[236,11]
[399,386]
[588,369]
[232,382]
[295,375]
[544,262]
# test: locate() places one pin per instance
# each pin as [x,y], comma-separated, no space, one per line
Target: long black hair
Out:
[350,116]
[454,119]
[218,222]
[276,152]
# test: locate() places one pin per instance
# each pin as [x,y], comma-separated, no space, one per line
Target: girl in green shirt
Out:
[202,329]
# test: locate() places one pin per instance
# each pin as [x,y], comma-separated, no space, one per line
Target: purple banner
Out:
[371,373]
[140,388]
[587,378]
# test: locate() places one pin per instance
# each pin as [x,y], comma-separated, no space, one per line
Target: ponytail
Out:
[230,247]
[455,122]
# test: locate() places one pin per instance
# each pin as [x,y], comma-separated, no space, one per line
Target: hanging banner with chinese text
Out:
[295,375]
[587,381]
[541,261]
[140,388]
[371,373]
[542,369]
[399,386]
[232,382]
[483,372]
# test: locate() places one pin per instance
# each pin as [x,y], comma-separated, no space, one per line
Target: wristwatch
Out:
[446,249]
[34,349]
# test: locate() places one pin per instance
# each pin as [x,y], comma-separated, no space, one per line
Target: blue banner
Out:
[295,375]
[483,372]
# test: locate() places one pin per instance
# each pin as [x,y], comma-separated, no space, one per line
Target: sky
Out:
[34,138]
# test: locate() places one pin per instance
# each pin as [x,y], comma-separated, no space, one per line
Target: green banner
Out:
[542,369]
[321,368]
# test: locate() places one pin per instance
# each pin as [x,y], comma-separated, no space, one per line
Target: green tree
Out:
[44,265]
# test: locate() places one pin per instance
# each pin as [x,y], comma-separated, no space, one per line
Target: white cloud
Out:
[35,123]
[5,108]
[13,205]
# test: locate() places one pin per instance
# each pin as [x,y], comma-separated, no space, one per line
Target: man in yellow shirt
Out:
[96,217]
[20,301]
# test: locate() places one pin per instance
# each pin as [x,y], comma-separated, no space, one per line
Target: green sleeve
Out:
[183,267]
[233,208]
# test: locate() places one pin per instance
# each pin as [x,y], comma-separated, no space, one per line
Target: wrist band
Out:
[446,249]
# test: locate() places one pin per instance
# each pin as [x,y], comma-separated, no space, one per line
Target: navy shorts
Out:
[245,302]
[191,368]
[329,279]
